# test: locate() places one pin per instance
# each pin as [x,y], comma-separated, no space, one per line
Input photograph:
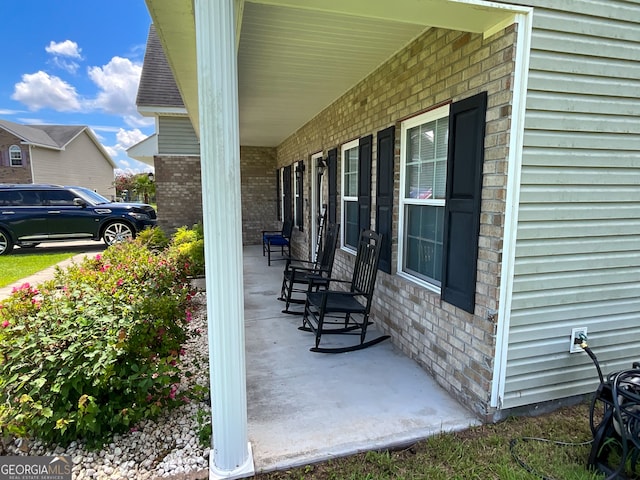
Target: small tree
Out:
[144,186]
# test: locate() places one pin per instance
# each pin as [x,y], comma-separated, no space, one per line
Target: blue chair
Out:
[275,238]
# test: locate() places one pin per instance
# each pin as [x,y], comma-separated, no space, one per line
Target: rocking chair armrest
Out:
[299,268]
[321,279]
[294,261]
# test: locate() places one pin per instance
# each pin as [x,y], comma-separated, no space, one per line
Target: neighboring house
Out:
[57,154]
[495,145]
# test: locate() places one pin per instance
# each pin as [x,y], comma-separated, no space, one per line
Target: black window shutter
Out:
[384,194]
[462,211]
[332,165]
[364,182]
[288,201]
[278,196]
[300,198]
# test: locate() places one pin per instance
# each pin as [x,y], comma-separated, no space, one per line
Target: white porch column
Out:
[221,205]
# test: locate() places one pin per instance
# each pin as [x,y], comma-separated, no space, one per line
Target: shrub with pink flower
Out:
[97,355]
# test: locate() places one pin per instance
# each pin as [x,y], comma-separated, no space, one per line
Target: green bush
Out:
[187,248]
[95,350]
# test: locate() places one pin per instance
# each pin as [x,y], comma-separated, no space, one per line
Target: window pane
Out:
[351,172]
[352,230]
[426,160]
[423,241]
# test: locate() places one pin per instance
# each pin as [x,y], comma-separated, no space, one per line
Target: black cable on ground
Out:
[514,442]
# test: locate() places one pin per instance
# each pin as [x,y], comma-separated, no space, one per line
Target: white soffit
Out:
[295,57]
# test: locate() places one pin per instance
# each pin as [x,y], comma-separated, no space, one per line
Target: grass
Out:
[481,453]
[15,267]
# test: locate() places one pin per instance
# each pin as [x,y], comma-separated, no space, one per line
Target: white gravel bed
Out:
[163,448]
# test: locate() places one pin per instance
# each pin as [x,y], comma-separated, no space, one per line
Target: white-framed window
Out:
[15,156]
[423,175]
[281,173]
[350,228]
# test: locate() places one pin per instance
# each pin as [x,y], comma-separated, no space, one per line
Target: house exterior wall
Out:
[9,174]
[179,191]
[80,163]
[258,180]
[456,347]
[578,238]
[176,136]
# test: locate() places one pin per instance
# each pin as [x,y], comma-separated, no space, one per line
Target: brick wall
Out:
[9,174]
[179,192]
[456,347]
[258,177]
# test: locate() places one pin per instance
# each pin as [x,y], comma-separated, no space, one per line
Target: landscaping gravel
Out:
[167,447]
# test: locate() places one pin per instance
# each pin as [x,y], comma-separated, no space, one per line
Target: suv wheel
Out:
[6,245]
[117,232]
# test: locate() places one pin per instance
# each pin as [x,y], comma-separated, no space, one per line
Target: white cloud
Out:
[126,138]
[41,90]
[64,49]
[118,83]
[71,67]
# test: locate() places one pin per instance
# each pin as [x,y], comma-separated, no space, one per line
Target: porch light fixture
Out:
[299,170]
[321,166]
[151,176]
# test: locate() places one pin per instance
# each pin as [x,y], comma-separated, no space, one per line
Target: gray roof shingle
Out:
[52,136]
[157,86]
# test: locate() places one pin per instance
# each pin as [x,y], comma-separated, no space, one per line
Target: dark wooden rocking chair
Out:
[298,274]
[278,238]
[346,312]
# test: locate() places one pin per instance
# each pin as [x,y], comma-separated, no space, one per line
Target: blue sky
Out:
[76,63]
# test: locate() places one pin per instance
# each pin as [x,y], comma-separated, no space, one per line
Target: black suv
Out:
[31,214]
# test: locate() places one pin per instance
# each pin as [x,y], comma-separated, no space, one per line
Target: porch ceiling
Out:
[295,57]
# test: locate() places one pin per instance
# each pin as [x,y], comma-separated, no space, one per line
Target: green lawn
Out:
[15,267]
[481,453]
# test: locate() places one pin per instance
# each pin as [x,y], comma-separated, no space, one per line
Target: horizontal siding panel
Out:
[176,136]
[579,211]
[583,66]
[542,194]
[562,296]
[602,105]
[554,337]
[577,229]
[583,122]
[608,158]
[557,281]
[583,84]
[561,362]
[571,22]
[581,314]
[624,177]
[583,45]
[573,246]
[582,140]
[576,263]
[601,9]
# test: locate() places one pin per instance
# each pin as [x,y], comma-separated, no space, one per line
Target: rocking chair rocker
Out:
[346,312]
[300,272]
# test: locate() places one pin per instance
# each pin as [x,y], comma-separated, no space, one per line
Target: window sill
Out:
[422,283]
[348,250]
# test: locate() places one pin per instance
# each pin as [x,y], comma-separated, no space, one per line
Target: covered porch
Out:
[305,407]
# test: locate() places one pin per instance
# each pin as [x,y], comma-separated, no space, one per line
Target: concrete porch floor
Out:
[306,407]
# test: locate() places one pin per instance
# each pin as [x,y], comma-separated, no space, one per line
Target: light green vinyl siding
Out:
[176,136]
[578,237]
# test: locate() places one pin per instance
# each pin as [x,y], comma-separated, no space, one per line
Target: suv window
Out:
[26,198]
[57,197]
